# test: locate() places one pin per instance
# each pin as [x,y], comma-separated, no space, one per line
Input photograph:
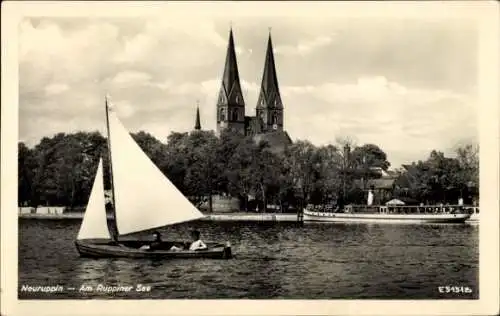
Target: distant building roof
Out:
[409,167]
[384,173]
[392,173]
[382,183]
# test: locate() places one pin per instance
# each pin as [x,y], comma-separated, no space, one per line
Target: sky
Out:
[406,85]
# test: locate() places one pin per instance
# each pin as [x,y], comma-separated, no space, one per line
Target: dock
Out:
[253,217]
[227,217]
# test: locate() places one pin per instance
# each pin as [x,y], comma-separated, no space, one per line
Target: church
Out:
[267,124]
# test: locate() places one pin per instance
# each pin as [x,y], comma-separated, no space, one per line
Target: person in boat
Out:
[196,243]
[155,244]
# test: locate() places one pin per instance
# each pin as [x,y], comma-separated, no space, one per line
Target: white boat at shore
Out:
[389,214]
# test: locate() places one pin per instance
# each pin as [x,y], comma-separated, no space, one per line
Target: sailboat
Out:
[143,199]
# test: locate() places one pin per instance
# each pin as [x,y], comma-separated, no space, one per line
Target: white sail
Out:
[144,197]
[94,224]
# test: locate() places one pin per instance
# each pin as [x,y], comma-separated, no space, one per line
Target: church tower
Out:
[230,103]
[269,106]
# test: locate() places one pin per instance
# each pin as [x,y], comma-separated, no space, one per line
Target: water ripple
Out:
[271,261]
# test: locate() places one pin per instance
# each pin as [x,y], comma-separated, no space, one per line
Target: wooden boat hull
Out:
[384,218]
[105,248]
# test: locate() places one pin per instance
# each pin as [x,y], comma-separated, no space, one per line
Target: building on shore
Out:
[382,187]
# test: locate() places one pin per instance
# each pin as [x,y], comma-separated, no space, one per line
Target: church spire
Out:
[230,103]
[197,124]
[269,105]
[231,77]
[269,78]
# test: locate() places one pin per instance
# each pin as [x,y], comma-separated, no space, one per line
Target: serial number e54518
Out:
[454,289]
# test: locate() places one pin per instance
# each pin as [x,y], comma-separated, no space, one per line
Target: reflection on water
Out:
[272,260]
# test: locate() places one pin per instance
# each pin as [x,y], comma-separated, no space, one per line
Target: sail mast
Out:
[114,230]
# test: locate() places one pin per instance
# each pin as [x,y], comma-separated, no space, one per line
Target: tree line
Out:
[441,179]
[59,170]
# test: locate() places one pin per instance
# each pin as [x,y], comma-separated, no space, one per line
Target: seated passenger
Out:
[197,243]
[155,244]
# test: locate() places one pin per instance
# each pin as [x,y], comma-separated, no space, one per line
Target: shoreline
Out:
[217,217]
[239,216]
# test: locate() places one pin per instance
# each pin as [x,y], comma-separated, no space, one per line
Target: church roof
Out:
[269,93]
[277,140]
[255,123]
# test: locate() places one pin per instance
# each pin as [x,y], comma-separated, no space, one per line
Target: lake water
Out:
[272,260]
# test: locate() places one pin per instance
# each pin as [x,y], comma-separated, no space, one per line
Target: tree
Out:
[225,149]
[152,147]
[301,158]
[443,176]
[175,165]
[343,141]
[63,168]
[282,190]
[439,179]
[370,155]
[267,168]
[363,163]
[255,170]
[239,172]
[44,187]
[202,168]
[26,168]
[330,169]
[468,160]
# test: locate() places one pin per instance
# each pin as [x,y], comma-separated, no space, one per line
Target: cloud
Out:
[403,88]
[51,127]
[405,122]
[56,88]
[168,43]
[304,47]
[47,51]
[130,77]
